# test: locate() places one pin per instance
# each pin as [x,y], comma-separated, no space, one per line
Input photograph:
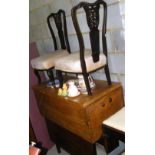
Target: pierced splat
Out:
[92,15]
[59,18]
[58,23]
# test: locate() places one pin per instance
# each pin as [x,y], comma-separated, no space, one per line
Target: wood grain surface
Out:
[81,115]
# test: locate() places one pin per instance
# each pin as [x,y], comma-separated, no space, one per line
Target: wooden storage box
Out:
[82,115]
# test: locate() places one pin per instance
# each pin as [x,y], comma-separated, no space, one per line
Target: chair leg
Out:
[58,148]
[50,75]
[110,143]
[107,73]
[36,72]
[60,77]
[85,75]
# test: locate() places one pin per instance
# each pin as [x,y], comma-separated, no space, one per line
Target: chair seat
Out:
[47,61]
[116,121]
[71,63]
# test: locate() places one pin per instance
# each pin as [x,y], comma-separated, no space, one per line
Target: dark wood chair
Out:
[46,62]
[88,60]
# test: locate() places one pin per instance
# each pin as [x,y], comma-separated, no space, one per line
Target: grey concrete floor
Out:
[100,150]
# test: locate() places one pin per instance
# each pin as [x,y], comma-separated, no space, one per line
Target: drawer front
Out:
[103,109]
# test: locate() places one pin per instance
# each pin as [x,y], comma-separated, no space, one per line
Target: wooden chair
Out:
[47,61]
[88,60]
[114,129]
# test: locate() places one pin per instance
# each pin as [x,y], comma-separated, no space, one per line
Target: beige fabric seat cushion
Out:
[48,60]
[117,120]
[71,63]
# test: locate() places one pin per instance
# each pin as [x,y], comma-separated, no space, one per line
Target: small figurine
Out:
[64,90]
[59,91]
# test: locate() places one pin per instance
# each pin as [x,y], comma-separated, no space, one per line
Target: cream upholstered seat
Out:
[47,61]
[71,63]
[116,121]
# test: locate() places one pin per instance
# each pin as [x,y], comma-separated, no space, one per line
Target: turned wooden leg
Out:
[36,72]
[85,75]
[50,75]
[107,73]
[60,77]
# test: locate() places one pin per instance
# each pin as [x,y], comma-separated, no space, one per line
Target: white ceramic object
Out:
[72,90]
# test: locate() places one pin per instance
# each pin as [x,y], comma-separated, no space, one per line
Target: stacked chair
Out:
[47,62]
[86,61]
